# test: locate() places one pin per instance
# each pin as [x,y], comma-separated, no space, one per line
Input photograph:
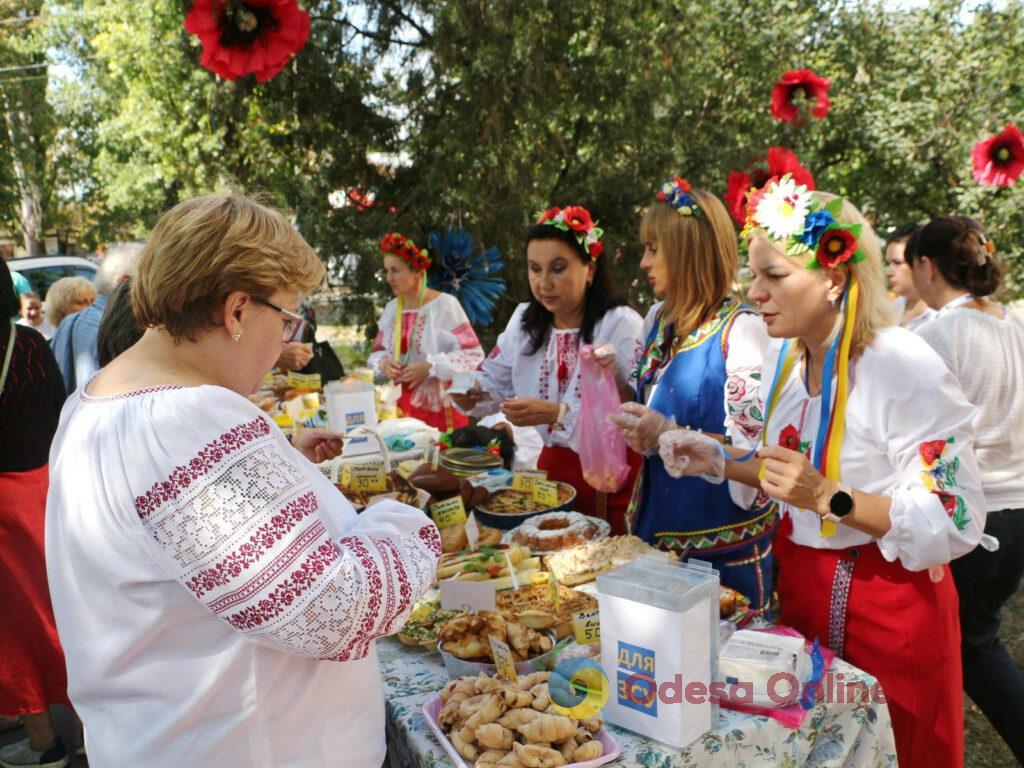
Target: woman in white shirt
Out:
[982,343]
[424,337]
[532,374]
[911,310]
[216,597]
[869,451]
[701,366]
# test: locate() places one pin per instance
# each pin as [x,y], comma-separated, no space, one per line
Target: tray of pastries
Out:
[532,606]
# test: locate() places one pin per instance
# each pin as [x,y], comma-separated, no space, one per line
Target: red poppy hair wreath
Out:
[575,219]
[401,246]
[246,37]
[780,161]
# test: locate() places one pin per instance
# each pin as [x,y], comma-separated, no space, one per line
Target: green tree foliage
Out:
[493,109]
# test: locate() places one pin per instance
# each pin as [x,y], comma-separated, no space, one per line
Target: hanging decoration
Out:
[780,161]
[469,276]
[800,83]
[248,37]
[999,160]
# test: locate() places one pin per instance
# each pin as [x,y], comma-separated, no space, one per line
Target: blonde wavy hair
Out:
[873,312]
[206,248]
[701,256]
[67,296]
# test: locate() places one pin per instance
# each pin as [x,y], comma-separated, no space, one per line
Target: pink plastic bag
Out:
[602,447]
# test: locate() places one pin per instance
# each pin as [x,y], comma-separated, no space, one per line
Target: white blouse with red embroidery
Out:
[439,333]
[216,597]
[552,373]
[909,436]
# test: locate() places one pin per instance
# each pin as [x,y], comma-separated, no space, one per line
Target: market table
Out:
[852,735]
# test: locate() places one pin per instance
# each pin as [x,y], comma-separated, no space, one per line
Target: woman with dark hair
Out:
[911,310]
[982,343]
[532,372]
[119,329]
[32,675]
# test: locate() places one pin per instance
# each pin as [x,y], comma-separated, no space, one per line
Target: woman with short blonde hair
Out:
[67,296]
[869,451]
[701,367]
[239,591]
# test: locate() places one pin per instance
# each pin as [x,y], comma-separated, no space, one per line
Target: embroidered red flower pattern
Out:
[931,451]
[789,437]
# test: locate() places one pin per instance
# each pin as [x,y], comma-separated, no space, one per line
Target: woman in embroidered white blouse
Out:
[878,492]
[216,597]
[532,373]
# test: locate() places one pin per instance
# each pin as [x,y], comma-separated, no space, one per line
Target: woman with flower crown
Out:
[869,451]
[700,367]
[532,374]
[423,337]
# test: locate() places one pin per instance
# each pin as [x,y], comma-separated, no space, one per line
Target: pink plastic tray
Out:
[431,709]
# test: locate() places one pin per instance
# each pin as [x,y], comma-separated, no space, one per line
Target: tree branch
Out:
[372,35]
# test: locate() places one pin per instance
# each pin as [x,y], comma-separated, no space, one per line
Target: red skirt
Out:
[563,464]
[899,626]
[445,419]
[32,673]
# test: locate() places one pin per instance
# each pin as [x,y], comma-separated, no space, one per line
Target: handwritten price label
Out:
[545,492]
[367,479]
[503,660]
[586,625]
[448,512]
[523,479]
[304,380]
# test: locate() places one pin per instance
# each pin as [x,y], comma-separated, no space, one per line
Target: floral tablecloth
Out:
[852,735]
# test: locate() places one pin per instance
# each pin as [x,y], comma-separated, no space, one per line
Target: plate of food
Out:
[481,721]
[551,532]
[490,563]
[465,644]
[532,607]
[398,488]
[508,508]
[584,563]
[423,625]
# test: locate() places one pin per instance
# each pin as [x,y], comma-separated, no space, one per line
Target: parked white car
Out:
[44,271]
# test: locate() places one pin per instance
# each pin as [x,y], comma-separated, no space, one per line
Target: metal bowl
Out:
[457,667]
[506,522]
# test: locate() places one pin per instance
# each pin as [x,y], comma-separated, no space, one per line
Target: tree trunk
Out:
[30,210]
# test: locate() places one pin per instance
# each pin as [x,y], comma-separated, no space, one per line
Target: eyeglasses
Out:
[293,323]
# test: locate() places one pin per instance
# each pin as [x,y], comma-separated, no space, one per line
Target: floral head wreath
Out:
[794,220]
[399,245]
[575,219]
[676,194]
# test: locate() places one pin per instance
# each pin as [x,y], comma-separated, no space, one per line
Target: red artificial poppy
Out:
[244,37]
[789,437]
[780,161]
[836,246]
[596,249]
[549,214]
[800,82]
[999,160]
[578,218]
[683,184]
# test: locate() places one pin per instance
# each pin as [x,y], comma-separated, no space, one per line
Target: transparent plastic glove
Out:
[689,453]
[641,427]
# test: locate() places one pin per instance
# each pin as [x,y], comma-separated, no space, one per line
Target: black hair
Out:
[601,295]
[10,302]
[903,234]
[959,249]
[119,329]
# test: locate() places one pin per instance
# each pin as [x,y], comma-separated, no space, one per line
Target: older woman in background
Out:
[982,343]
[216,595]
[870,454]
[67,296]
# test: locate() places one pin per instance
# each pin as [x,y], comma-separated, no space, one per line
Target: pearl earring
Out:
[236,336]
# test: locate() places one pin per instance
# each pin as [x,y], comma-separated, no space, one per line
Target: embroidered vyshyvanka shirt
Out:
[216,597]
[439,333]
[553,373]
[909,436]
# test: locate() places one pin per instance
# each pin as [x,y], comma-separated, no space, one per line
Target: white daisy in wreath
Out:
[783,209]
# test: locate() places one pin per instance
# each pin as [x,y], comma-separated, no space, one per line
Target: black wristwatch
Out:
[840,504]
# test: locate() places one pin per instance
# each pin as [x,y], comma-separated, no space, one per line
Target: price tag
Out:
[304,380]
[472,531]
[554,591]
[367,479]
[346,475]
[545,492]
[448,512]
[503,659]
[587,627]
[467,595]
[523,479]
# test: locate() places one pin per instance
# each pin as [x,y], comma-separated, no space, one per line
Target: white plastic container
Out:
[351,405]
[659,647]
